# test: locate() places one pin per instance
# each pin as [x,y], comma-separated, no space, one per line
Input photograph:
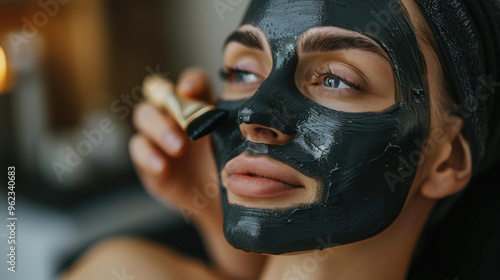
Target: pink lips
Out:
[260,177]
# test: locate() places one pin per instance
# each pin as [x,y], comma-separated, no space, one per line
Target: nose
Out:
[262,134]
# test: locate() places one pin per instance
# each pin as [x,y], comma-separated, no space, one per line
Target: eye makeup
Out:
[327,72]
[237,75]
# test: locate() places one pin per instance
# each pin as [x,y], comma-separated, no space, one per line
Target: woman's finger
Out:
[193,83]
[160,128]
[146,157]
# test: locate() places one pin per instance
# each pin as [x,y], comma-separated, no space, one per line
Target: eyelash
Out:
[226,73]
[326,71]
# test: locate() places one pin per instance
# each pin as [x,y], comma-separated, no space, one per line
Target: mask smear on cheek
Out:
[365,163]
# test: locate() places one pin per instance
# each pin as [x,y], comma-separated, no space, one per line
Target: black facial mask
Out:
[365,162]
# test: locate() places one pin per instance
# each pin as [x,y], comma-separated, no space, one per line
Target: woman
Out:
[343,134]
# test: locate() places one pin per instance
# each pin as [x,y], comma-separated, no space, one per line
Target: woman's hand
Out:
[182,173]
[173,169]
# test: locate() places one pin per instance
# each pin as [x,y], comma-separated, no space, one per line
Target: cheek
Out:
[429,158]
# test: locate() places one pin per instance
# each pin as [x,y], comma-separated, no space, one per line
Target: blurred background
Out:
[70,75]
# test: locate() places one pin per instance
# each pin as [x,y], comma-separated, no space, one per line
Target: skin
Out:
[372,72]
[443,171]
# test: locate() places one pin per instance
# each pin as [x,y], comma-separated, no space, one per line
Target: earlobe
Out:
[452,169]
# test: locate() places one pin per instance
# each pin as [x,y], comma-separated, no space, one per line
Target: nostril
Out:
[262,134]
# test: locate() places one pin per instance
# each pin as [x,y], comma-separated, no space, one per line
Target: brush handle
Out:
[160,92]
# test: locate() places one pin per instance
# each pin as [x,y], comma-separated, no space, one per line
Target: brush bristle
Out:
[206,123]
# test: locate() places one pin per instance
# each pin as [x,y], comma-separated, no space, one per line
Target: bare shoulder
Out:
[131,258]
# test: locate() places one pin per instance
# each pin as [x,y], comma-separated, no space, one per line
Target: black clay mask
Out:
[364,162]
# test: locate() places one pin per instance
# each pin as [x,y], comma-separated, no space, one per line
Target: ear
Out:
[452,168]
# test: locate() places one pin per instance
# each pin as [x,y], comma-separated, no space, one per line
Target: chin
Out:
[283,231]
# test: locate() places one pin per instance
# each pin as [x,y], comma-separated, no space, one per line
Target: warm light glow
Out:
[3,71]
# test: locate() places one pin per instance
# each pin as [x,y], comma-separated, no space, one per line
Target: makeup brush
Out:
[196,118]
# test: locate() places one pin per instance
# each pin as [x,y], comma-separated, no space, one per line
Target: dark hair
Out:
[465,35]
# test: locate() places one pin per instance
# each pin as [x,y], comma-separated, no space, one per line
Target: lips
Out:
[260,177]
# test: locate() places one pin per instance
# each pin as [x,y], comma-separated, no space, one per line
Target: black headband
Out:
[468,34]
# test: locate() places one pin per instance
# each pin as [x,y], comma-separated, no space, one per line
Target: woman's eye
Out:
[326,77]
[245,77]
[238,76]
[334,83]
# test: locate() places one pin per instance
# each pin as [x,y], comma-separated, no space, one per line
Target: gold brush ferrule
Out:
[160,92]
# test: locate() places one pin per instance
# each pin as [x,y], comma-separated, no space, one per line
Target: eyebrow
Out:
[248,38]
[318,43]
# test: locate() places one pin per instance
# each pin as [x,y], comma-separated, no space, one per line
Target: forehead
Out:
[285,18]
[385,22]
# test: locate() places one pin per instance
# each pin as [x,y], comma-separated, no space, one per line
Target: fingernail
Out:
[156,163]
[173,141]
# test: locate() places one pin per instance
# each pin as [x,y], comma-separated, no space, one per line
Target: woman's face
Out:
[353,79]
[328,106]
